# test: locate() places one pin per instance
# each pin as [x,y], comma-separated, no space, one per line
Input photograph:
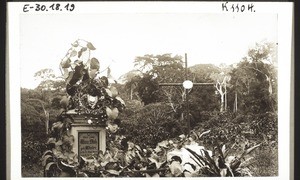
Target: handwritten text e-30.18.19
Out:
[52,7]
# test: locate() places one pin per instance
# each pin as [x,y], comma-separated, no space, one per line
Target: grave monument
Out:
[89,109]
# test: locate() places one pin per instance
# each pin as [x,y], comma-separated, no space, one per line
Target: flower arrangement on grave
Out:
[88,94]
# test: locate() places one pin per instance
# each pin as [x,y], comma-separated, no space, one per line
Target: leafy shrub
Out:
[131,107]
[147,153]
[265,126]
[245,131]
[33,144]
[176,157]
[229,127]
[152,124]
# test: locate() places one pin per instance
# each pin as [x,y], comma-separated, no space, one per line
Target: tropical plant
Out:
[222,164]
[177,157]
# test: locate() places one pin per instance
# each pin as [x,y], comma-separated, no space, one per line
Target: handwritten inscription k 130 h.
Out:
[237,7]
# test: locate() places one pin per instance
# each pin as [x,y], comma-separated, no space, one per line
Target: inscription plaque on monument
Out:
[88,143]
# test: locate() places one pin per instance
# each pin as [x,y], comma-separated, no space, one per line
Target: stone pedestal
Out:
[89,138]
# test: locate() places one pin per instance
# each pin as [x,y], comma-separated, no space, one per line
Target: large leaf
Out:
[50,166]
[249,150]
[66,73]
[204,133]
[51,141]
[114,91]
[57,125]
[223,172]
[221,151]
[90,46]
[93,73]
[235,164]
[79,53]
[73,53]
[247,162]
[94,64]
[198,162]
[66,63]
[211,161]
[82,50]
[48,152]
[58,143]
[47,159]
[65,165]
[71,158]
[207,161]
[75,44]
[199,158]
[69,77]
[64,102]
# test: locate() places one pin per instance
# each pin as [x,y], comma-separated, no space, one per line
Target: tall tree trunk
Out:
[225,96]
[235,103]
[270,85]
[222,103]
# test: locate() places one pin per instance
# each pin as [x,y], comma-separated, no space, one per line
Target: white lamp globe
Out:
[187,84]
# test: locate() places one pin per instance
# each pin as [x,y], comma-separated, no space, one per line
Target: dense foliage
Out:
[181,156]
[246,117]
[151,124]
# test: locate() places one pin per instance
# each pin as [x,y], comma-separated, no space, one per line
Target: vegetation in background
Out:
[246,117]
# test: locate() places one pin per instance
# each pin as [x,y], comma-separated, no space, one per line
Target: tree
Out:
[44,75]
[263,59]
[203,72]
[221,86]
[221,80]
[158,69]
[131,80]
[163,67]
[254,79]
[203,98]
[148,89]
[38,103]
[50,86]
[45,117]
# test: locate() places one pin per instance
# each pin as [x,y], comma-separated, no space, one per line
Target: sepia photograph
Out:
[140,89]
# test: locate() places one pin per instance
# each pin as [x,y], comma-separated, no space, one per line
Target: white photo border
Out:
[285,14]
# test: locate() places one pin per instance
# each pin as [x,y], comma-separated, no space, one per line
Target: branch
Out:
[257,70]
[170,100]
[267,77]
[220,87]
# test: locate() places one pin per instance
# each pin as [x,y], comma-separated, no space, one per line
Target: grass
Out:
[266,162]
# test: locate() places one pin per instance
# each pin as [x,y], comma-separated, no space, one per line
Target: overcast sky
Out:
[119,38]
